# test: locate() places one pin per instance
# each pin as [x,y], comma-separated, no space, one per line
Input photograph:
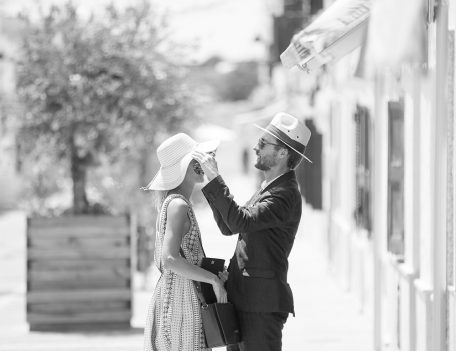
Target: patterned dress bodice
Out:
[191,242]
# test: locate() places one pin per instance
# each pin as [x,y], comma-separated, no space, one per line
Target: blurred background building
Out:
[10,33]
[386,114]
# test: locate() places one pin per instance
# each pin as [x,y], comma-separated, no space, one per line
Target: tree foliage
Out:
[98,86]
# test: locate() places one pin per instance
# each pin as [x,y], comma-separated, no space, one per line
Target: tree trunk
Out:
[79,176]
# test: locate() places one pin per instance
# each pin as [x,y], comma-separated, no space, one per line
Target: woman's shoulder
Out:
[177,205]
[175,198]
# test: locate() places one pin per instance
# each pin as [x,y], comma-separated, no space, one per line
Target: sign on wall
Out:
[335,33]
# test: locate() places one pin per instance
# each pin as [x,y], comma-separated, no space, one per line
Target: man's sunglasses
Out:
[262,143]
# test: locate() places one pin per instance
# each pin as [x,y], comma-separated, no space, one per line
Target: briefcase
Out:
[220,324]
[220,321]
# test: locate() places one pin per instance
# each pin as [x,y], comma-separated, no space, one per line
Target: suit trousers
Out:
[261,331]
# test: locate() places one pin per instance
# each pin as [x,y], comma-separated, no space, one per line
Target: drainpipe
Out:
[439,305]
[379,215]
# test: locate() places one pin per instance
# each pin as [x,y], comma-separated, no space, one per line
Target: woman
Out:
[174,322]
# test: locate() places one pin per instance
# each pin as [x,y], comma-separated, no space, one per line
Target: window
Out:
[363,179]
[396,177]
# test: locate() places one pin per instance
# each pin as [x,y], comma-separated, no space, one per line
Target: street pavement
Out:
[327,317]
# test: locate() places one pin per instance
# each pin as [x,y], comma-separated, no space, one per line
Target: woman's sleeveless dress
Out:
[173,320]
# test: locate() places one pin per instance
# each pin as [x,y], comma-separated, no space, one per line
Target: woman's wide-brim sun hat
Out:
[174,155]
[289,130]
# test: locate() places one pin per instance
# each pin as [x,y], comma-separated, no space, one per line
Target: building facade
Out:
[386,113]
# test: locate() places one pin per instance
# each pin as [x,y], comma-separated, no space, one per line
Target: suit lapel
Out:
[284,177]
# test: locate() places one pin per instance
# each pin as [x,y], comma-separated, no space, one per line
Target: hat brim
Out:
[170,177]
[208,146]
[283,141]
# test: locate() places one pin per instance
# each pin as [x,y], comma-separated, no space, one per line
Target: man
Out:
[267,225]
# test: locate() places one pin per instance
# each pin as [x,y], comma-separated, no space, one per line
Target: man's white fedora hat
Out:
[289,130]
[174,155]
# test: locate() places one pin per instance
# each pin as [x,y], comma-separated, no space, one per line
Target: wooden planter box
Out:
[80,272]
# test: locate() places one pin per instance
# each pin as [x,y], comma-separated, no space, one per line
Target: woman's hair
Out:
[157,197]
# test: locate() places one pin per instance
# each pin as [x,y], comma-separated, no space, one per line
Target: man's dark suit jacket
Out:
[267,226]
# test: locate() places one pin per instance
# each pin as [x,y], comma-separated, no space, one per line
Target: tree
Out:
[97,86]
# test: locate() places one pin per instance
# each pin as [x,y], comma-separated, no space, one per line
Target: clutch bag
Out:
[214,265]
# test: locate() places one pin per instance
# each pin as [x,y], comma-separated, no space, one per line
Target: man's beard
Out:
[264,164]
[262,167]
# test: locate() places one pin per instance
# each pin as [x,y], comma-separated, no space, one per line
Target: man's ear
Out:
[283,152]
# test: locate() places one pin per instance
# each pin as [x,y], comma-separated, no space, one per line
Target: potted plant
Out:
[94,94]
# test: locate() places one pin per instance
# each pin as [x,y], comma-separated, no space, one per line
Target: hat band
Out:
[286,139]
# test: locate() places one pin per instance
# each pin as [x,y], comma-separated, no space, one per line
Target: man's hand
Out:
[223,275]
[208,164]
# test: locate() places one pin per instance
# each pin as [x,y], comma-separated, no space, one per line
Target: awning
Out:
[336,32]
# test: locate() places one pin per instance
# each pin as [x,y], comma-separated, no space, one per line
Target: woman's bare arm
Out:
[178,223]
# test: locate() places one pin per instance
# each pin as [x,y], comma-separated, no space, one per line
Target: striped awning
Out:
[336,32]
